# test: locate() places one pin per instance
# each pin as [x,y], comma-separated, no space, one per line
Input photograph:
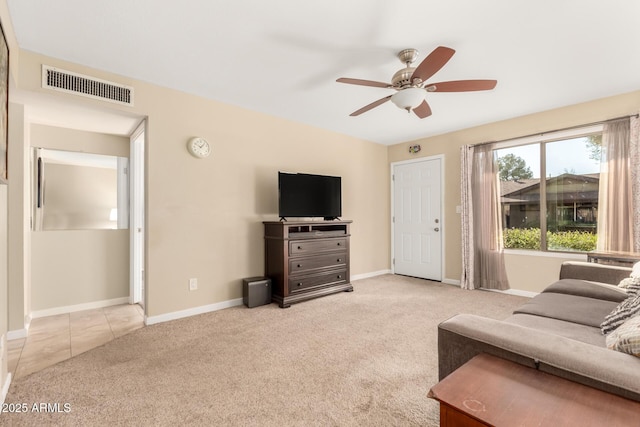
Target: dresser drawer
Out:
[301,247]
[299,265]
[316,280]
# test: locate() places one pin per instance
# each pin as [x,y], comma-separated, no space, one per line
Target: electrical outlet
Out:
[193,284]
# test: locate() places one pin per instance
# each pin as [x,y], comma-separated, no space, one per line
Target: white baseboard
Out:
[152,320]
[79,307]
[20,333]
[371,274]
[517,292]
[17,334]
[5,387]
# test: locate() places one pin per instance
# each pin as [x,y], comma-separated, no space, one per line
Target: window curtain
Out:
[466,156]
[615,204]
[634,149]
[483,255]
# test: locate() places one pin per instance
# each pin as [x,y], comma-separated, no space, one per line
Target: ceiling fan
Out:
[410,82]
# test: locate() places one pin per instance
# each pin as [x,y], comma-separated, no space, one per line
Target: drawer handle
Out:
[299,265]
[299,247]
[300,284]
[339,243]
[339,276]
[339,260]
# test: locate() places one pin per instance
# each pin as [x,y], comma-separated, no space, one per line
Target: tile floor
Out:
[53,339]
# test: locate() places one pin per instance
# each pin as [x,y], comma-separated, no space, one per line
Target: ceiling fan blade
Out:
[370,106]
[462,86]
[363,82]
[433,63]
[423,110]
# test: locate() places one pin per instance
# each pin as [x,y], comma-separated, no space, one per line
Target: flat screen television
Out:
[306,195]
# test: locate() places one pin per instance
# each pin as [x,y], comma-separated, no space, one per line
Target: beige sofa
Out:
[558,332]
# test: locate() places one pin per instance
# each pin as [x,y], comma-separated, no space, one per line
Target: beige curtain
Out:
[634,149]
[466,156]
[484,264]
[615,205]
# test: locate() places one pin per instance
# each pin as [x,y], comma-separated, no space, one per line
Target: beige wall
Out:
[531,272]
[76,140]
[78,267]
[6,207]
[19,287]
[204,216]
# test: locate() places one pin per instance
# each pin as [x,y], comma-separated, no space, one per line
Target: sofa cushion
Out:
[463,336]
[586,334]
[570,308]
[594,272]
[626,338]
[626,309]
[588,289]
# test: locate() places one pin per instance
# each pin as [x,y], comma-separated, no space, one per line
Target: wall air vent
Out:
[90,87]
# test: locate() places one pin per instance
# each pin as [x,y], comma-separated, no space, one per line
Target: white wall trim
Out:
[20,333]
[175,315]
[17,334]
[371,274]
[517,292]
[580,256]
[79,307]
[5,387]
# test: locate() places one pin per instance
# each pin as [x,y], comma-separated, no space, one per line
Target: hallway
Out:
[53,339]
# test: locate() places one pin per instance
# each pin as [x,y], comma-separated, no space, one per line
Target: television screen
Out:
[305,195]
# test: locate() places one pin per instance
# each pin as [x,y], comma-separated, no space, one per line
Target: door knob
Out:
[436,229]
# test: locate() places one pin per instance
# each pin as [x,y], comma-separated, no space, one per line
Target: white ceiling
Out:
[282,57]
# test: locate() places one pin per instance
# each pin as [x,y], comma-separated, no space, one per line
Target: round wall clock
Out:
[199,147]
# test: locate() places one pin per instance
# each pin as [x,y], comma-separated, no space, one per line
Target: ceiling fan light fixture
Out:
[408,98]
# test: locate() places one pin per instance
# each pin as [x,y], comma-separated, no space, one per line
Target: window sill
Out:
[581,256]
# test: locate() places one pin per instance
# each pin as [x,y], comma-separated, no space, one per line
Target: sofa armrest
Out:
[464,336]
[611,274]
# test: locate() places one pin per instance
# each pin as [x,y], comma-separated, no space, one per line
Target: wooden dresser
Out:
[307,259]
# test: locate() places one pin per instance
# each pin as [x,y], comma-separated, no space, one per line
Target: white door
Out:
[136,223]
[417,220]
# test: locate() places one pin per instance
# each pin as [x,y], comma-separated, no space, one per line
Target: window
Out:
[560,212]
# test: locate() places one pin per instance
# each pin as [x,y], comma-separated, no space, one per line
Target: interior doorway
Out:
[417,222]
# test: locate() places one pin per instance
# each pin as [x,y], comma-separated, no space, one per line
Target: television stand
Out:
[307,259]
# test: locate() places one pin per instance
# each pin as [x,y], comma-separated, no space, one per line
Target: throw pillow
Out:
[635,272]
[634,287]
[626,309]
[627,337]
[631,285]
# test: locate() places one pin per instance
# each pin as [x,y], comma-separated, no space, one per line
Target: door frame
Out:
[443,228]
[137,244]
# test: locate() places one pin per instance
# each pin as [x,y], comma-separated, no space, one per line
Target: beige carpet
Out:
[351,359]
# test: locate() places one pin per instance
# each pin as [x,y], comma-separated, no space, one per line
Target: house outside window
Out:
[560,212]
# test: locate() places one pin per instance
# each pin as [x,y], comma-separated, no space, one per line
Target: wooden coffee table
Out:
[489,391]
